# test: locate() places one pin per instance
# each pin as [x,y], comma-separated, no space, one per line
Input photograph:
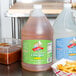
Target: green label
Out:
[37,51]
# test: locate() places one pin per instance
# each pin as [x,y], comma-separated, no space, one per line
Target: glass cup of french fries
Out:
[64,67]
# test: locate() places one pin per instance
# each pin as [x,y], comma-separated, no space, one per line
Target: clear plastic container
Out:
[37,35]
[64,35]
[10,50]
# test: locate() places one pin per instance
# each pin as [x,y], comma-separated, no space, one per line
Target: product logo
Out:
[37,46]
[72,43]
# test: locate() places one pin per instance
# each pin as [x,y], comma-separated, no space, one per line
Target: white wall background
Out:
[5,22]
[0,18]
[73,0]
[69,1]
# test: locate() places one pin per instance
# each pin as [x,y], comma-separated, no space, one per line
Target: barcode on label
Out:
[49,59]
[49,47]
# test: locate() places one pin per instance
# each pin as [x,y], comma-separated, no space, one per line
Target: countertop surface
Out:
[16,70]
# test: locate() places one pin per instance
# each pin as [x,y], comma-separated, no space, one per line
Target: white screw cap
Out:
[37,6]
[67,1]
[67,5]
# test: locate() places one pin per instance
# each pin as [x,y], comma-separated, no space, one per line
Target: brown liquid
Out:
[37,28]
[8,58]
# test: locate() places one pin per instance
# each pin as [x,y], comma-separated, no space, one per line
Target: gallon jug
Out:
[37,37]
[65,35]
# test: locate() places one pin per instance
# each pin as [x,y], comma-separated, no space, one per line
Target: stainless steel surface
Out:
[51,0]
[11,2]
[16,70]
[16,24]
[43,0]
[20,22]
[13,27]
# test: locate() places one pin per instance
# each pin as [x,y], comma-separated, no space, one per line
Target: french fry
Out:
[60,67]
[71,63]
[69,67]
